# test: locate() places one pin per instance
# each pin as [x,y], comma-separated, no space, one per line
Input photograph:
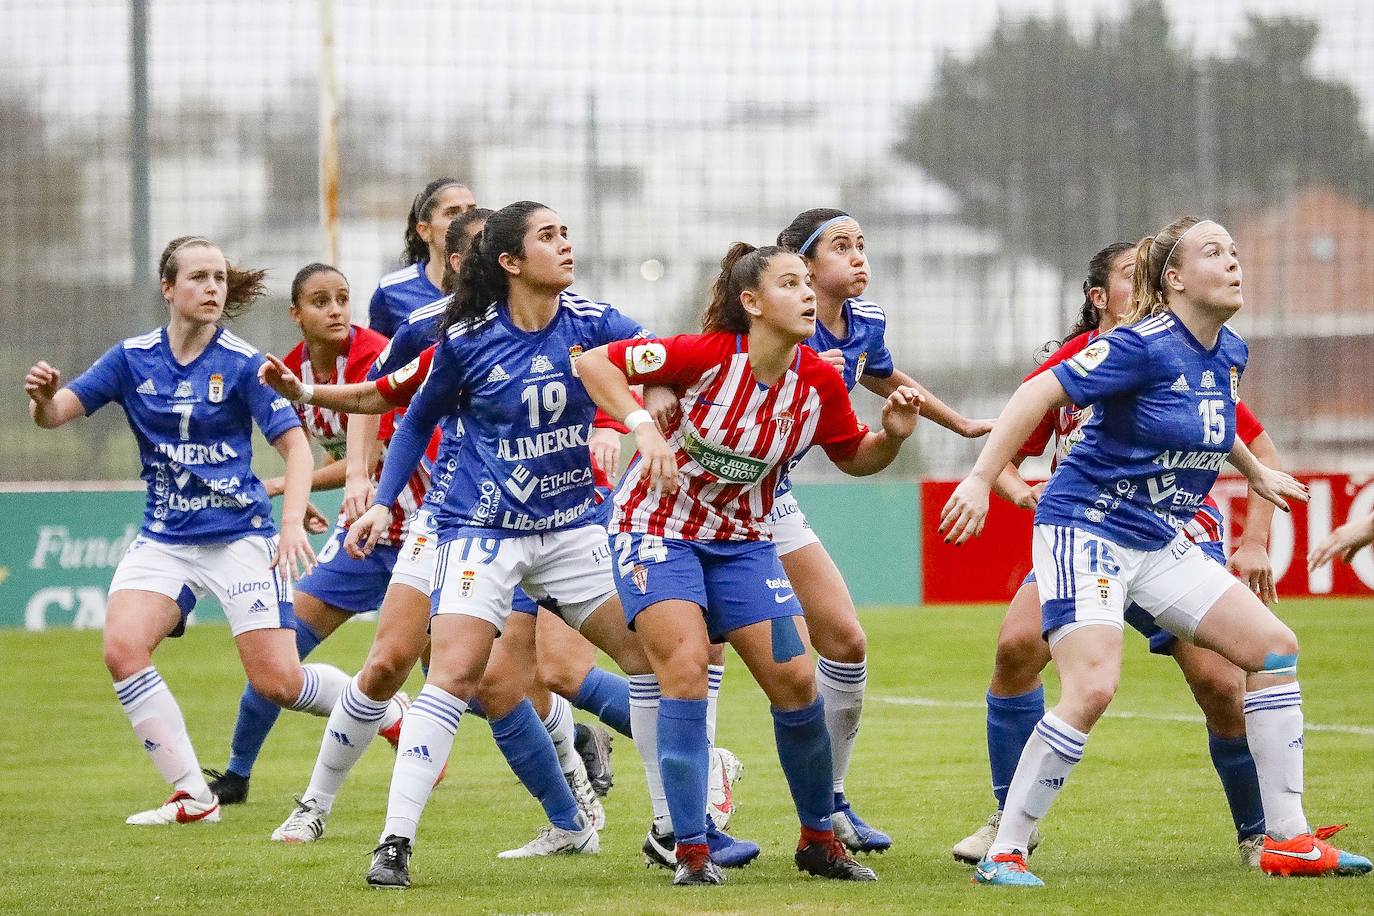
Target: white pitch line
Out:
[1116,714]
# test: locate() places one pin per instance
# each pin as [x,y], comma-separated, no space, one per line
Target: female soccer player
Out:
[694,564]
[417,283]
[191,394]
[1015,698]
[331,351]
[1108,533]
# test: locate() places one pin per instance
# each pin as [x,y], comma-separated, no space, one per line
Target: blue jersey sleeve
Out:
[379,316]
[879,363]
[435,400]
[616,326]
[1109,366]
[272,412]
[409,341]
[105,381]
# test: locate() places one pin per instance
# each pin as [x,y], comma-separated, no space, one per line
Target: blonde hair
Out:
[1154,254]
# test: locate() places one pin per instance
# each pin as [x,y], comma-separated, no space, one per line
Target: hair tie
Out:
[811,239]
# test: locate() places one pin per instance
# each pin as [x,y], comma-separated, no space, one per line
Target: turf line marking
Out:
[1112,713]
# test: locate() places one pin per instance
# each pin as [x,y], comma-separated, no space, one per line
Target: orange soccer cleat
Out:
[1309,855]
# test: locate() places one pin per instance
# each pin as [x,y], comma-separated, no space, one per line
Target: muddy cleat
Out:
[303,825]
[392,733]
[1309,855]
[390,863]
[726,770]
[593,744]
[973,848]
[659,849]
[586,799]
[1250,849]
[229,787]
[853,832]
[1008,870]
[830,860]
[181,808]
[728,852]
[694,866]
[553,841]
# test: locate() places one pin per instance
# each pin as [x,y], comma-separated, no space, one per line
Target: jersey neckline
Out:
[171,358]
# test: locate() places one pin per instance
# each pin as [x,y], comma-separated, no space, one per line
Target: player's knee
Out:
[1019,660]
[383,675]
[683,674]
[496,698]
[846,643]
[124,657]
[463,685]
[1095,695]
[1283,642]
[279,686]
[793,687]
[1220,695]
[564,680]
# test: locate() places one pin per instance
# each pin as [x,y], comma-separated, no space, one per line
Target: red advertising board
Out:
[991,567]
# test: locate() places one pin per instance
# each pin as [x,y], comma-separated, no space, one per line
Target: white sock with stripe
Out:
[644,697]
[321,687]
[352,724]
[426,741]
[1050,754]
[559,724]
[157,721]
[714,675]
[1273,729]
[842,685]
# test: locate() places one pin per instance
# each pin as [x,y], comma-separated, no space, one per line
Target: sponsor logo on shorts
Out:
[782,599]
[418,547]
[243,588]
[258,607]
[777,584]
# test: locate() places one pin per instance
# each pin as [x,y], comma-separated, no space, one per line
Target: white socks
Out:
[841,685]
[356,717]
[559,724]
[714,675]
[1054,747]
[157,721]
[426,740]
[322,686]
[644,697]
[1273,729]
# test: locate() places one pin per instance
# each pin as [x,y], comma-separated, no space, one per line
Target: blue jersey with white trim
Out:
[522,465]
[399,294]
[1164,422]
[194,426]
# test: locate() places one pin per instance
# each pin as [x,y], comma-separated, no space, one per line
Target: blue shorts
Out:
[736,583]
[354,586]
[522,603]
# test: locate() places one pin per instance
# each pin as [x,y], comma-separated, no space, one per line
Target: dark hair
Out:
[421,209]
[481,279]
[1153,255]
[741,269]
[1099,271]
[803,224]
[305,273]
[244,287]
[453,239]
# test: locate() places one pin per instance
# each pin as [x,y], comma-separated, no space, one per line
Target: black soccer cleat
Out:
[593,743]
[230,787]
[390,863]
[659,849]
[831,860]
[694,866]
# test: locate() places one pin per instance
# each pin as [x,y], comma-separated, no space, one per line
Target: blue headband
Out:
[811,239]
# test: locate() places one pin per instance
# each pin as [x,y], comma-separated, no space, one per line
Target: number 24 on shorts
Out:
[651,550]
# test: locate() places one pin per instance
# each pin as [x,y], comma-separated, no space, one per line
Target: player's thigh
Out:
[775,653]
[830,615]
[322,619]
[564,656]
[510,668]
[1087,655]
[673,634]
[1239,627]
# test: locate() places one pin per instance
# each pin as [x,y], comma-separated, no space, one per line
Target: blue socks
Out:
[1236,767]
[528,749]
[1010,723]
[257,715]
[684,759]
[606,696]
[804,751]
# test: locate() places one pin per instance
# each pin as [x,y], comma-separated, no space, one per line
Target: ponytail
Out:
[243,286]
[421,209]
[741,269]
[480,279]
[1153,257]
[457,241]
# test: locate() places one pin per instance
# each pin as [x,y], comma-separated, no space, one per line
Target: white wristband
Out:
[307,393]
[637,418]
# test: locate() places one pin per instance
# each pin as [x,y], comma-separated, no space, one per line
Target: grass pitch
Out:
[1142,826]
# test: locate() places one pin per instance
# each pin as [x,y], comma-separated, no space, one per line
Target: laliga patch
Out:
[642,359]
[1235,384]
[216,390]
[1090,357]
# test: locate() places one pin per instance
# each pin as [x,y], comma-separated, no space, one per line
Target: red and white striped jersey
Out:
[330,427]
[733,437]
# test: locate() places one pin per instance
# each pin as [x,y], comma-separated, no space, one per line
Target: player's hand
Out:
[1344,542]
[274,374]
[605,445]
[974,429]
[42,383]
[366,531]
[295,556]
[1278,487]
[1031,498]
[1250,564]
[358,493]
[901,410]
[835,357]
[966,511]
[660,464]
[315,520]
[662,403]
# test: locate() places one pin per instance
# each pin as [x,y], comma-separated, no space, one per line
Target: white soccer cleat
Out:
[973,848]
[726,770]
[555,841]
[1250,849]
[304,825]
[587,802]
[181,808]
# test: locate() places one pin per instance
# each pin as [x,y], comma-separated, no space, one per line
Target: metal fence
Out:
[988,149]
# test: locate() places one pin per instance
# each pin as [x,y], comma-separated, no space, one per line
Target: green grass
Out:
[1142,826]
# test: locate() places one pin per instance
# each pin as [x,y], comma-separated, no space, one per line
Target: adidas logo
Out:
[498,374]
[150,745]
[1180,385]
[340,737]
[541,364]
[1296,742]
[1055,783]
[420,752]
[258,607]
[147,387]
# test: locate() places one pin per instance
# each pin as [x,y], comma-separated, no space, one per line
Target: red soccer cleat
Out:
[1309,855]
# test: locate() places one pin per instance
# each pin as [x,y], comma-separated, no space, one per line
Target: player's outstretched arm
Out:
[934,409]
[879,449]
[610,390]
[295,556]
[1344,542]
[50,404]
[357,397]
[1275,486]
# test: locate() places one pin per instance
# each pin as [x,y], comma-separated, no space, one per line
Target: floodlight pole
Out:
[329,137]
[139,194]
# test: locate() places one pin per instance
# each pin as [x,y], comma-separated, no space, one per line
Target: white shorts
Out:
[1085,579]
[478,576]
[238,574]
[415,563]
[791,530]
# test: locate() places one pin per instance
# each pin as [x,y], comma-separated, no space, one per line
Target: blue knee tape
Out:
[787,643]
[1275,663]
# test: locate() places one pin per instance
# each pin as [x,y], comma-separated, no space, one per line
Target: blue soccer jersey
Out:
[194,426]
[522,465]
[398,295]
[1164,422]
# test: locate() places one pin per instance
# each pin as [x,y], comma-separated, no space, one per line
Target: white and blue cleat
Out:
[1007,870]
[851,830]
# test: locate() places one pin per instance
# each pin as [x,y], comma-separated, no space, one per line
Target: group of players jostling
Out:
[476,427]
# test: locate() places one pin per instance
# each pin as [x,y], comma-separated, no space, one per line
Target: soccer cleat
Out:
[658,849]
[694,866]
[229,787]
[181,808]
[593,743]
[390,863]
[587,802]
[853,832]
[303,825]
[726,770]
[973,848]
[728,852]
[392,733]
[1008,870]
[553,841]
[1250,849]
[1309,855]
[830,860]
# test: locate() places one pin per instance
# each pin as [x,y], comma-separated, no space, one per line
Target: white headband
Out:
[1163,270]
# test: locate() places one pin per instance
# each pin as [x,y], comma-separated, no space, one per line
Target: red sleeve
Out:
[603,420]
[1248,426]
[363,351]
[678,360]
[1039,438]
[838,430]
[400,386]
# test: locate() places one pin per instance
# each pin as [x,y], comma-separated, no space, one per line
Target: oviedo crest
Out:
[216,389]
